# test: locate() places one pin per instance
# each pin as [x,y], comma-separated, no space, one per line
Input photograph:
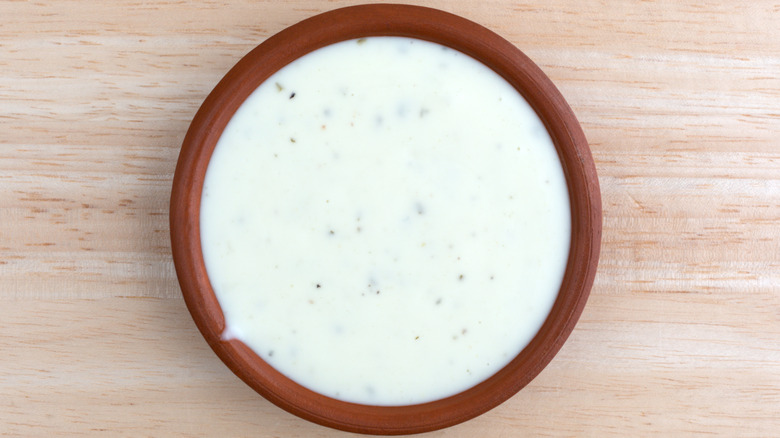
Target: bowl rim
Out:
[404,21]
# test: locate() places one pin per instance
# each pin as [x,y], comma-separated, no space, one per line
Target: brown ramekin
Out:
[386,20]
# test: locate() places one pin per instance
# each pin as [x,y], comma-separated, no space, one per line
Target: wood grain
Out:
[679,100]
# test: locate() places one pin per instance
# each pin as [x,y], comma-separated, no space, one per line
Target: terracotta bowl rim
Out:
[405,21]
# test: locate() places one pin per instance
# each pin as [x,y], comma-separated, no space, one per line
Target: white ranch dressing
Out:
[385,221]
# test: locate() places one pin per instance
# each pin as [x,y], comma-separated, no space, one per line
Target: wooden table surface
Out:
[680,101]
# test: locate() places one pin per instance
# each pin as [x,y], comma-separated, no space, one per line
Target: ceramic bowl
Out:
[386,20]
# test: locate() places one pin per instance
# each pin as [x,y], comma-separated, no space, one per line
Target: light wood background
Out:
[680,101]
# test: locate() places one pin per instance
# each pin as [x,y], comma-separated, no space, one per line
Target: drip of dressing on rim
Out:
[385,221]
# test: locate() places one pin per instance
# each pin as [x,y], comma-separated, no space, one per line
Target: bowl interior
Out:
[386,20]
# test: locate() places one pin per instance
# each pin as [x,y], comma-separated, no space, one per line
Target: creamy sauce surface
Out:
[385,221]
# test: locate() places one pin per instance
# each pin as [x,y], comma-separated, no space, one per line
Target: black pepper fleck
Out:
[292,95]
[271,353]
[319,285]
